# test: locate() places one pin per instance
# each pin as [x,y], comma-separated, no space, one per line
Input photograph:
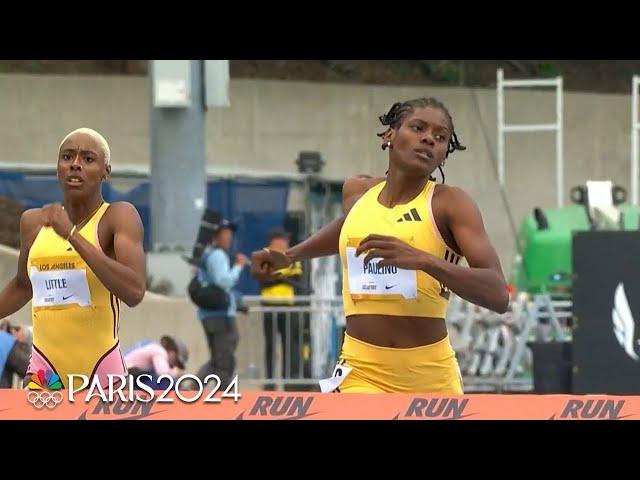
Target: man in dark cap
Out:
[220,324]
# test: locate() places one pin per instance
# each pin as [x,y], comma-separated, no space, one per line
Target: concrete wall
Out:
[36,112]
[269,122]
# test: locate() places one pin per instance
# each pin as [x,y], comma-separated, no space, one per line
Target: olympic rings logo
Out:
[44,399]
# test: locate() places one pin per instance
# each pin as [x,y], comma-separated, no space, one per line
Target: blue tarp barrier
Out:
[256,206]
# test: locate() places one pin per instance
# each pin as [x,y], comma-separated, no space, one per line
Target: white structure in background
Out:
[504,128]
[635,126]
[324,280]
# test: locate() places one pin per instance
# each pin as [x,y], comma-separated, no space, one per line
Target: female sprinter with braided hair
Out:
[400,241]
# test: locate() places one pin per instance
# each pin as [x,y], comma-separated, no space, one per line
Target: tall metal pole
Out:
[178,166]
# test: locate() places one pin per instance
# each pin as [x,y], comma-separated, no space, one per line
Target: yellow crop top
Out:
[389,290]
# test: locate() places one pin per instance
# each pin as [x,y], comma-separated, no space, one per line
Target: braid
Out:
[393,118]
[399,110]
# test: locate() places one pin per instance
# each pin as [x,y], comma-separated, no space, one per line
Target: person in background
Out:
[15,349]
[280,291]
[169,357]
[220,325]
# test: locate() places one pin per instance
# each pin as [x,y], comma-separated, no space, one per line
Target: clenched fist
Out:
[265,262]
[56,217]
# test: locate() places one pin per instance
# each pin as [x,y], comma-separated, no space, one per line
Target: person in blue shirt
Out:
[220,325]
[15,350]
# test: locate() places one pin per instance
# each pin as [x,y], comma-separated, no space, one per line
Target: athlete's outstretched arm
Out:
[322,243]
[125,276]
[18,291]
[481,283]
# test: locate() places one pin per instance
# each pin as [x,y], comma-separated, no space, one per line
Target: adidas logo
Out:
[412,215]
[453,258]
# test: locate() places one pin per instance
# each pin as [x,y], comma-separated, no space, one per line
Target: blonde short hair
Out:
[100,140]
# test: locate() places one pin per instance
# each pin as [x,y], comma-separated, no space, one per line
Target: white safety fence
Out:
[291,345]
[294,346]
[492,349]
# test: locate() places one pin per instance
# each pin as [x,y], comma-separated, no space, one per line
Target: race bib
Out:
[60,287]
[375,282]
[336,379]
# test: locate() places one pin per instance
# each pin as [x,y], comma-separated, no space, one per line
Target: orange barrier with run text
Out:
[14,405]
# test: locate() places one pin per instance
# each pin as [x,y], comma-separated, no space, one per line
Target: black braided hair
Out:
[399,110]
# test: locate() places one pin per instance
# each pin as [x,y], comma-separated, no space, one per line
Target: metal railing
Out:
[291,344]
[492,349]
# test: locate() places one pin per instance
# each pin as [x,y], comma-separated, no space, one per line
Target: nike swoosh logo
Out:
[388,288]
[66,298]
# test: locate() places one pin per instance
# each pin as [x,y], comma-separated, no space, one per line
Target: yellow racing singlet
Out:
[75,318]
[370,289]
